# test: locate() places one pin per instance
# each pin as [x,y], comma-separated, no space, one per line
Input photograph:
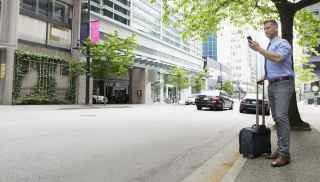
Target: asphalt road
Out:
[133,143]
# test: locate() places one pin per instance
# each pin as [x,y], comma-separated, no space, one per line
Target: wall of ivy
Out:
[44,91]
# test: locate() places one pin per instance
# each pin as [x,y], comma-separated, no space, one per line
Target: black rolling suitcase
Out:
[255,141]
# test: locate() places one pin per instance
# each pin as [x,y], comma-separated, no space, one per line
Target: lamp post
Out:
[88,76]
[84,34]
[220,77]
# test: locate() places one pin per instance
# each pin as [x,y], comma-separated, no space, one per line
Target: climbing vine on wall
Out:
[21,69]
[45,66]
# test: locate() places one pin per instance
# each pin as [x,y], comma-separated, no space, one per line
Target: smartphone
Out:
[249,38]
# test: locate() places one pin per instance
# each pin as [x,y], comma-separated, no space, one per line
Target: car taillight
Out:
[215,98]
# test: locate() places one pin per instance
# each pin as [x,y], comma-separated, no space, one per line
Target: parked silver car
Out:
[98,99]
[191,100]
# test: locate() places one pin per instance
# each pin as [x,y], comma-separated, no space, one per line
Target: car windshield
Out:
[211,93]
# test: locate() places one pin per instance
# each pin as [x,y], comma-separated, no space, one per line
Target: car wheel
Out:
[222,106]
[199,107]
[231,106]
[94,101]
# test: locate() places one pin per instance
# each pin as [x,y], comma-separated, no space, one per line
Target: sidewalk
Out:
[305,162]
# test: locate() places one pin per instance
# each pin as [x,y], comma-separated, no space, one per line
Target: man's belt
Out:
[280,79]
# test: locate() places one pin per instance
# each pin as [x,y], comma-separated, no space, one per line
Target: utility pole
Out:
[88,57]
[220,77]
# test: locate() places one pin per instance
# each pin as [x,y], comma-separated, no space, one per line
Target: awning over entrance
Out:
[152,63]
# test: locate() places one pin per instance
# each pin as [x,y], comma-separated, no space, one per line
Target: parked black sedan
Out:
[249,102]
[214,99]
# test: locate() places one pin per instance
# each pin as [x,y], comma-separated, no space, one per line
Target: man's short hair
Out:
[274,22]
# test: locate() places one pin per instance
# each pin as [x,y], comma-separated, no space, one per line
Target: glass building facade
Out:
[118,10]
[209,48]
[145,17]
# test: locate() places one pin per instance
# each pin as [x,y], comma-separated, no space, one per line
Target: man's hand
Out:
[255,46]
[272,56]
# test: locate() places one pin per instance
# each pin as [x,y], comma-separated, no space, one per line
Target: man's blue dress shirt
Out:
[284,67]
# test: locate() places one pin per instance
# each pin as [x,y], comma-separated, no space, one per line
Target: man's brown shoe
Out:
[274,155]
[280,161]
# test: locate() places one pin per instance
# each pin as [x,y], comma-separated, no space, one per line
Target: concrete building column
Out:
[75,44]
[162,96]
[8,35]
[147,88]
[81,80]
[138,85]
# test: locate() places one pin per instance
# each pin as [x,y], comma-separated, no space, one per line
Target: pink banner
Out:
[95,31]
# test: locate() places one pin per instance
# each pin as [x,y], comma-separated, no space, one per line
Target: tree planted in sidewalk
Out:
[198,82]
[304,71]
[113,56]
[197,18]
[228,87]
[179,79]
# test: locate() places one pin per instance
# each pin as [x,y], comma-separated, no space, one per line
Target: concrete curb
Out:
[224,166]
[217,166]
[234,171]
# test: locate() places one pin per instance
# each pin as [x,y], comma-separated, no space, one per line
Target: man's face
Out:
[271,30]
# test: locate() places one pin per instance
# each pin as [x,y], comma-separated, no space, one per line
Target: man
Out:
[279,73]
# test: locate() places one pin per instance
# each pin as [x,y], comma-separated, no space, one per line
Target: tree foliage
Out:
[304,71]
[197,18]
[179,78]
[111,57]
[228,87]
[76,68]
[198,82]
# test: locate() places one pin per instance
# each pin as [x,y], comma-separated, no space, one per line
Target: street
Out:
[127,143]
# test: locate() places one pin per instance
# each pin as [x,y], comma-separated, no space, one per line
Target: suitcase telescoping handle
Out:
[257,104]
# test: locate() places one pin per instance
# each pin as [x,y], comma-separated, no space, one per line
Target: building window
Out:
[121,19]
[47,10]
[59,36]
[107,13]
[29,5]
[108,3]
[95,9]
[125,2]
[96,1]
[43,7]
[120,9]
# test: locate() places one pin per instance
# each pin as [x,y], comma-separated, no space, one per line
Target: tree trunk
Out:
[104,92]
[179,96]
[286,18]
[130,86]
